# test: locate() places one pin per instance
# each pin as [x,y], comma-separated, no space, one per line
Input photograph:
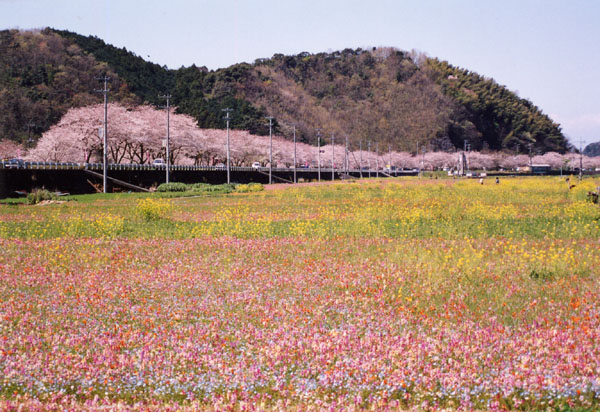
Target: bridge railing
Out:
[35,165]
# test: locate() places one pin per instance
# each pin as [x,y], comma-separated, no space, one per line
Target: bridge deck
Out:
[79,178]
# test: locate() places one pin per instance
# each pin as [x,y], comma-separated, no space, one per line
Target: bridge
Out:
[81,178]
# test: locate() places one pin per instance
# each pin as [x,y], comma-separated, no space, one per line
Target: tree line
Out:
[136,136]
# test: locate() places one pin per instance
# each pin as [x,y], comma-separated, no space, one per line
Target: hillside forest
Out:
[386,96]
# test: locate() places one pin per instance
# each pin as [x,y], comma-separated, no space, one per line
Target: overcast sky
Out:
[546,50]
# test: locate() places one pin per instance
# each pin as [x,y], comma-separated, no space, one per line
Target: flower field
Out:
[381,295]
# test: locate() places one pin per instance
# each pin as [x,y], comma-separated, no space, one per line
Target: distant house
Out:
[540,169]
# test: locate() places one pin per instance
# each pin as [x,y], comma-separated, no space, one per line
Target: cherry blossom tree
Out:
[10,149]
[136,135]
[512,162]
[555,160]
[479,160]
[438,160]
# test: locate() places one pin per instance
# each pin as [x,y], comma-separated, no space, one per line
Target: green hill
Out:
[592,150]
[503,119]
[382,95]
[42,75]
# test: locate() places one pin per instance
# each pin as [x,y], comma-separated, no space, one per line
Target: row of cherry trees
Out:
[10,149]
[136,135]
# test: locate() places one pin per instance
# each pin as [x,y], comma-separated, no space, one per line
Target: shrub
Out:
[172,187]
[39,195]
[250,187]
[196,188]
[206,188]
[153,209]
[199,187]
[224,188]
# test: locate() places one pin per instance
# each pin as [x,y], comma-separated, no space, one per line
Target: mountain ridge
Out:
[383,95]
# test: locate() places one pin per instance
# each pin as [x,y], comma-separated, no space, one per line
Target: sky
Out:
[547,51]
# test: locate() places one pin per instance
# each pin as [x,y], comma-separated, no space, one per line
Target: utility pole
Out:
[30,125]
[295,163]
[270,119]
[168,107]
[463,160]
[332,157]
[531,159]
[580,159]
[319,153]
[369,156]
[105,91]
[360,157]
[346,158]
[377,159]
[228,119]
[417,156]
[423,160]
[390,151]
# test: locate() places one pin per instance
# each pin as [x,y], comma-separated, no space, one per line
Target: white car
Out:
[158,162]
[256,165]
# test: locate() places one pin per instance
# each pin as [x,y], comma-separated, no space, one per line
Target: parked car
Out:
[220,165]
[158,162]
[15,164]
[256,165]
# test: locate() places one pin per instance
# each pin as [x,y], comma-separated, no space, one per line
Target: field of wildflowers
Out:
[382,295]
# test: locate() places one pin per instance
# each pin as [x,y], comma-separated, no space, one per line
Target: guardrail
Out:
[135,166]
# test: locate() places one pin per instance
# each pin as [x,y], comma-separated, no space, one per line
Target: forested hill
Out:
[592,150]
[383,95]
[42,75]
[147,80]
[503,119]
